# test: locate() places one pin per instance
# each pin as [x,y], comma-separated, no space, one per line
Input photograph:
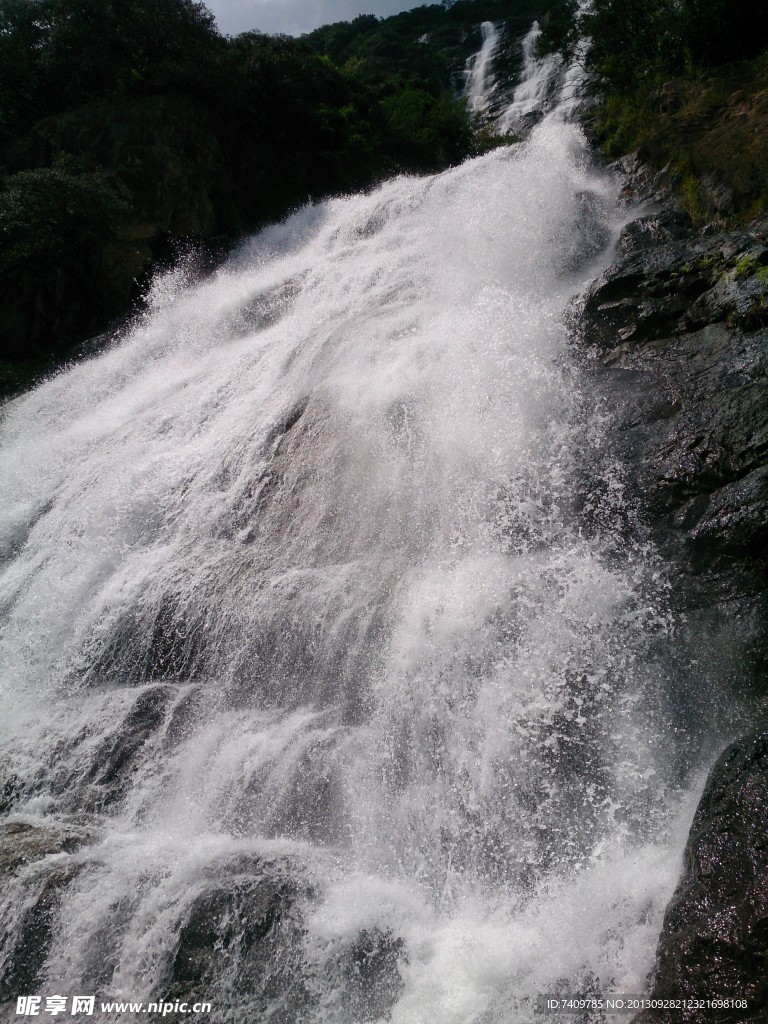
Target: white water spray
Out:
[538,87]
[318,606]
[480,85]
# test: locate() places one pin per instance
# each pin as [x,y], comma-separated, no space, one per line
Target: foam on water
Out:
[325,566]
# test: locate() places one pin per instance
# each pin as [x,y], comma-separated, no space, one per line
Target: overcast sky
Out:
[297,16]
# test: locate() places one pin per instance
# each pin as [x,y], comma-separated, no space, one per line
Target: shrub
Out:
[428,130]
[56,212]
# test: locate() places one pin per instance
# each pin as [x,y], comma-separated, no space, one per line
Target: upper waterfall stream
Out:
[320,596]
[478,71]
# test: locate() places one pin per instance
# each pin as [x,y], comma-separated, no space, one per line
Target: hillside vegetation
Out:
[686,84]
[129,125]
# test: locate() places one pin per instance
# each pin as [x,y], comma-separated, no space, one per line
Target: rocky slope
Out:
[677,331]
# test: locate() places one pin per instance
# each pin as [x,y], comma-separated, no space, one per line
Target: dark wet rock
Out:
[118,756]
[715,937]
[10,786]
[591,233]
[34,887]
[640,183]
[366,981]
[733,518]
[680,357]
[25,946]
[677,332]
[655,229]
[267,308]
[145,645]
[243,937]
[184,716]
[666,285]
[22,843]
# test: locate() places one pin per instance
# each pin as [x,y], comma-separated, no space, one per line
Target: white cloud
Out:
[297,16]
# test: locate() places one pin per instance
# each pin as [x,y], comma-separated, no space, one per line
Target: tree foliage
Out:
[718,31]
[57,54]
[634,41]
[62,213]
[124,123]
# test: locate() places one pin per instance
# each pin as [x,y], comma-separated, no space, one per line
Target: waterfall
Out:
[539,84]
[479,88]
[336,667]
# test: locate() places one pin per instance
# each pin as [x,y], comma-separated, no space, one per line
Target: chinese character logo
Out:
[83,1004]
[28,1006]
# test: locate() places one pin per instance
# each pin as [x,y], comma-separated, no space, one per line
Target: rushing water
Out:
[322,604]
[539,87]
[478,71]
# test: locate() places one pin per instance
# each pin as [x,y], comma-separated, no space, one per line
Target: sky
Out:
[297,16]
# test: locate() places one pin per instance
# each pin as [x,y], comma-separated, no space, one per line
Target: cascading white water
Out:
[479,88]
[318,583]
[538,84]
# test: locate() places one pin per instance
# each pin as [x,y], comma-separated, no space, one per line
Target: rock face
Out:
[715,936]
[706,137]
[242,940]
[243,932]
[677,331]
[33,872]
[239,937]
[721,124]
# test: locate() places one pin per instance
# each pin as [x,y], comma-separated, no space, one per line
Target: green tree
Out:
[427,130]
[636,41]
[58,211]
[57,54]
[633,40]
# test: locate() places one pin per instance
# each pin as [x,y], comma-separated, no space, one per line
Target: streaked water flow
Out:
[538,87]
[478,71]
[321,623]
